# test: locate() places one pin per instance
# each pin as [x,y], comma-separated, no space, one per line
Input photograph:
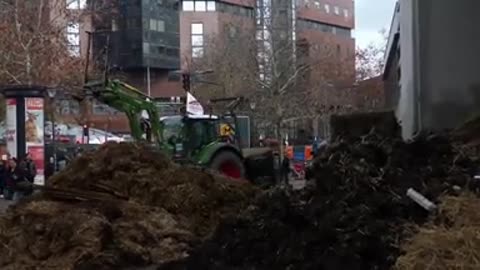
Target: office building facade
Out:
[324,28]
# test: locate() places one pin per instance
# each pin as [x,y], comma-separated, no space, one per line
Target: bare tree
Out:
[267,78]
[370,59]
[286,79]
[369,62]
[33,44]
[35,47]
[231,57]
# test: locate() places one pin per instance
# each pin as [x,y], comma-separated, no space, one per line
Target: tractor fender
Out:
[227,149]
[206,155]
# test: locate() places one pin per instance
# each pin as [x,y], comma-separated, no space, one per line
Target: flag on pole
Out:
[193,106]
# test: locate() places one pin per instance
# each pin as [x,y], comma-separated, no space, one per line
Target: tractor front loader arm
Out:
[127,99]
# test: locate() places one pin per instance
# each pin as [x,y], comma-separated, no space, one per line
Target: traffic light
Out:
[186,82]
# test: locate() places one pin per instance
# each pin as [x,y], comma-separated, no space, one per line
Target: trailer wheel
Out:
[228,163]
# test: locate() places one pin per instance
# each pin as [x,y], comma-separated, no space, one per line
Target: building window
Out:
[345,13]
[317,4]
[235,10]
[211,6]
[153,25]
[339,31]
[197,40]
[146,47]
[327,8]
[73,38]
[160,26]
[157,25]
[76,4]
[198,6]
[336,10]
[188,6]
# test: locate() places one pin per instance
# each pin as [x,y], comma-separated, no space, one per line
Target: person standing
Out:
[14,176]
[29,172]
[285,169]
[30,168]
[22,185]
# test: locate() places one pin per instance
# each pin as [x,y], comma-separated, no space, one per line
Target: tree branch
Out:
[13,77]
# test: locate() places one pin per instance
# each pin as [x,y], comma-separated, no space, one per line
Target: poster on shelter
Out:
[34,124]
[34,135]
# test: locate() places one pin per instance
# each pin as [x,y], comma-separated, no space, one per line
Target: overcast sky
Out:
[371,17]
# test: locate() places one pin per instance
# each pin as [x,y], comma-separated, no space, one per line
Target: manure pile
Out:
[120,206]
[126,206]
[354,217]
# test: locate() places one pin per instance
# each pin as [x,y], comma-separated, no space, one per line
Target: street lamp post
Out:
[51,95]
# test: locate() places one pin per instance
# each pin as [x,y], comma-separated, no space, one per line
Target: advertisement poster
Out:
[11,128]
[34,135]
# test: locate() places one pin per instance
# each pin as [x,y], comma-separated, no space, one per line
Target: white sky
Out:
[371,17]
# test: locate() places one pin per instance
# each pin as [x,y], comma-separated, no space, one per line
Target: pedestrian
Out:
[30,168]
[285,169]
[11,176]
[17,183]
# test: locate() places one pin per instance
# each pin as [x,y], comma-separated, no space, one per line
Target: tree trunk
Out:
[28,67]
[279,137]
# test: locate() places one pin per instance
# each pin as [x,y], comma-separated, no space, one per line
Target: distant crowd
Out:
[16,177]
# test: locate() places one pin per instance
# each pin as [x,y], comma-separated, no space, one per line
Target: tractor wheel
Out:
[228,163]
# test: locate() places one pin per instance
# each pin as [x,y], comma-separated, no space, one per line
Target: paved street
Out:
[4,205]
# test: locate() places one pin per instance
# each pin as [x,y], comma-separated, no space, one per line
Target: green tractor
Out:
[187,139]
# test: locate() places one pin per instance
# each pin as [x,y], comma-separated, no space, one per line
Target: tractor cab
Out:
[187,136]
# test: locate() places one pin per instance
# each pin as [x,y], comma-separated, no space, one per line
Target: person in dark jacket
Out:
[30,168]
[9,187]
[285,169]
[14,178]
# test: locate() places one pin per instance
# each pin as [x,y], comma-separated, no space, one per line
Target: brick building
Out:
[325,27]
[200,19]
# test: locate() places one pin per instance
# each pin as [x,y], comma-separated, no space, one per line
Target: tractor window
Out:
[198,134]
[201,133]
[172,128]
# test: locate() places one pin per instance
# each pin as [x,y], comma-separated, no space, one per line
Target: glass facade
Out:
[144,33]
